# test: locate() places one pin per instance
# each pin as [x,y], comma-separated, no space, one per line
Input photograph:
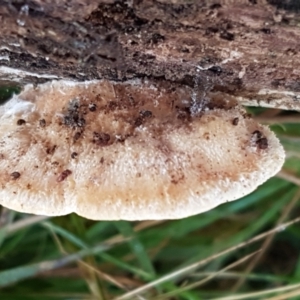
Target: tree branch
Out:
[246,50]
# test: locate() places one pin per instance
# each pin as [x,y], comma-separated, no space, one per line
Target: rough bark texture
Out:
[249,49]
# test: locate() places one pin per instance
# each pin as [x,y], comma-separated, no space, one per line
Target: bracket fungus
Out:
[131,151]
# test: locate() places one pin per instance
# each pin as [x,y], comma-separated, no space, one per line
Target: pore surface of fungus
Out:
[130,151]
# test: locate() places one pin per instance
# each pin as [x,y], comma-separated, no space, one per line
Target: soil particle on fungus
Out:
[81,122]
[145,113]
[175,179]
[51,150]
[112,105]
[74,155]
[21,122]
[42,122]
[138,122]
[183,114]
[68,120]
[64,175]
[206,136]
[247,116]
[262,143]
[257,134]
[235,121]
[92,107]
[101,139]
[77,135]
[15,175]
[74,116]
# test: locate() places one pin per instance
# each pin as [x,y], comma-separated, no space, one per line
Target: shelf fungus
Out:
[131,151]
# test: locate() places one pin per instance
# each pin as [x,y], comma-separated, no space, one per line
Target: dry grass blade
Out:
[232,275]
[258,295]
[11,276]
[196,265]
[205,280]
[85,267]
[289,177]
[139,227]
[103,275]
[286,295]
[11,228]
[292,154]
[147,224]
[268,240]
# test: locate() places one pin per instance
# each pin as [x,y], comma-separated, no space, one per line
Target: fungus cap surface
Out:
[110,151]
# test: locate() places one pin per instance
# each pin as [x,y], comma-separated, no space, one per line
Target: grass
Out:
[246,249]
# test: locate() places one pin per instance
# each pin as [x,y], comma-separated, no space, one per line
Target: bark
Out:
[246,49]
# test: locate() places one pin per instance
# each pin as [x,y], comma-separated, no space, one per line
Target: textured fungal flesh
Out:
[110,151]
